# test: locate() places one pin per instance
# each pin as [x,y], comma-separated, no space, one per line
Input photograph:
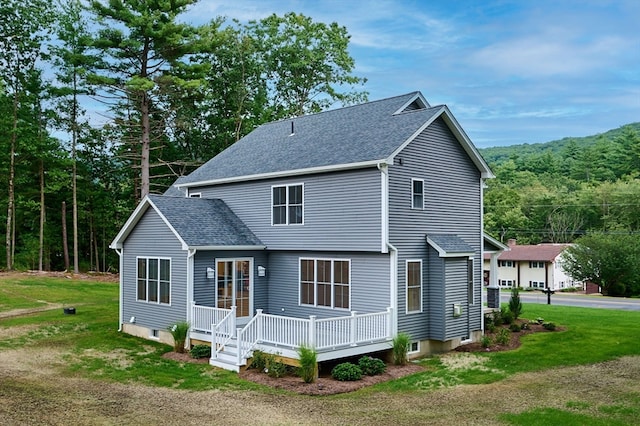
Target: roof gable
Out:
[346,138]
[210,223]
[448,245]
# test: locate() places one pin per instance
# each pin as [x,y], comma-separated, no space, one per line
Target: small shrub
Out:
[260,360]
[503,337]
[275,369]
[200,351]
[491,327]
[525,326]
[539,320]
[371,366]
[515,306]
[308,364]
[515,327]
[346,372]
[485,341]
[497,318]
[179,332]
[507,316]
[400,348]
[549,326]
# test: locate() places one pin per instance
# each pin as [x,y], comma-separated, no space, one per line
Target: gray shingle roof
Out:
[449,245]
[202,222]
[351,135]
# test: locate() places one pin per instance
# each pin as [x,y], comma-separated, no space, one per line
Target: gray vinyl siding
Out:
[152,238]
[342,211]
[204,288]
[451,206]
[370,290]
[456,292]
[436,296]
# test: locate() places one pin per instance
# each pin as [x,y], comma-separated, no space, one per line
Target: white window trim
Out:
[417,349]
[315,283]
[406,286]
[251,279]
[414,207]
[147,280]
[287,222]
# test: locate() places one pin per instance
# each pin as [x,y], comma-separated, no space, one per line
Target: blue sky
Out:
[510,71]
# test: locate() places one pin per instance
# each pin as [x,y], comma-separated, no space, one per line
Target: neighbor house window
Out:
[417,194]
[154,280]
[325,282]
[287,204]
[414,286]
[536,264]
[507,263]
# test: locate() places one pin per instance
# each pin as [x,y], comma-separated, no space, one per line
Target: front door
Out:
[234,286]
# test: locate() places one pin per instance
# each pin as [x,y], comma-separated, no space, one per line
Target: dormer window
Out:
[287,207]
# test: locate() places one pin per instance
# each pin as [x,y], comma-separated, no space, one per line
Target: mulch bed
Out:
[514,341]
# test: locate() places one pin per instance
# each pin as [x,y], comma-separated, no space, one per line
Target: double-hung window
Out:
[154,280]
[417,194]
[287,206]
[325,282]
[414,286]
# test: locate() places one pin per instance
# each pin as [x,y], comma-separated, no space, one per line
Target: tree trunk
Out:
[11,201]
[42,218]
[65,242]
[76,268]
[145,150]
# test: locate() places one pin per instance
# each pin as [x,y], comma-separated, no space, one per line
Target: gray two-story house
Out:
[335,230]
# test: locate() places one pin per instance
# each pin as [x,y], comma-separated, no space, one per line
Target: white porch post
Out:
[389,323]
[493,290]
[260,323]
[312,331]
[353,328]
[232,326]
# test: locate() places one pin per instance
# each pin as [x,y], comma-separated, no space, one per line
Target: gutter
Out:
[120,291]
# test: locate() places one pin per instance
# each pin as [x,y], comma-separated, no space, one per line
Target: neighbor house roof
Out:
[539,252]
[346,138]
[209,224]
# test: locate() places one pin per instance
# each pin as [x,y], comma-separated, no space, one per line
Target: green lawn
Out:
[95,349]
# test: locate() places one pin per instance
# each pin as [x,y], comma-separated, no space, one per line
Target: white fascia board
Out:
[501,246]
[285,173]
[419,96]
[126,229]
[227,248]
[185,246]
[460,135]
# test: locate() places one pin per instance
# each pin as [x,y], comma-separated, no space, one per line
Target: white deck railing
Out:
[321,334]
[203,316]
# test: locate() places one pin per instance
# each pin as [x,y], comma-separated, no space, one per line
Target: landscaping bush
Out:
[179,332]
[506,315]
[400,348]
[525,326]
[346,372]
[200,351]
[371,366]
[275,369]
[491,328]
[308,364]
[515,328]
[549,326]
[485,341]
[497,318]
[260,359]
[515,306]
[503,337]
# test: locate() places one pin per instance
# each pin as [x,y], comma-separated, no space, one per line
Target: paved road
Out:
[573,299]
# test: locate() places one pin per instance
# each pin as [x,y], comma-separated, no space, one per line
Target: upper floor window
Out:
[154,280]
[325,282]
[507,263]
[536,264]
[287,204]
[417,194]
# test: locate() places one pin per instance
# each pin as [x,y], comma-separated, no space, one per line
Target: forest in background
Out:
[105,101]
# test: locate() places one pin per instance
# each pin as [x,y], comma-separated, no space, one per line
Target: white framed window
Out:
[536,264]
[325,283]
[470,282]
[506,264]
[414,285]
[154,280]
[414,347]
[417,194]
[536,284]
[287,204]
[506,283]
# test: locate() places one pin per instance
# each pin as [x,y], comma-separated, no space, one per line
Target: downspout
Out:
[121,291]
[387,247]
[190,270]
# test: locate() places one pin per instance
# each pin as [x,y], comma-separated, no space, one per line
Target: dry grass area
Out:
[34,391]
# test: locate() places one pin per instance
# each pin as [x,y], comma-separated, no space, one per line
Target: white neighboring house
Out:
[532,266]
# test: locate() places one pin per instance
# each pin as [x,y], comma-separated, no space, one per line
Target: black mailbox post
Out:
[548,292]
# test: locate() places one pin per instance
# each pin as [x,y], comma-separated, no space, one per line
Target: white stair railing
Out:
[203,316]
[223,332]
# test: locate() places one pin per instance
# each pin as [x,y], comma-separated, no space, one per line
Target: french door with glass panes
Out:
[234,286]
